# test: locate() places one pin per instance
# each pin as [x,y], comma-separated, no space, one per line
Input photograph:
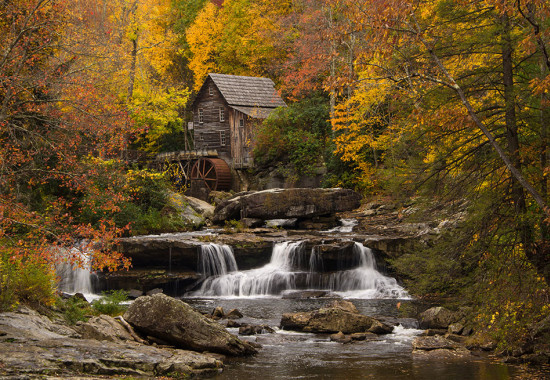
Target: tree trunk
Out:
[544,155]
[132,72]
[518,195]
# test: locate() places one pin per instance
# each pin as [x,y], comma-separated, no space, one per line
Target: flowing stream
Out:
[287,355]
[346,227]
[293,355]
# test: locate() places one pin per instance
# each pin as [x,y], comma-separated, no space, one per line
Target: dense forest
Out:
[443,102]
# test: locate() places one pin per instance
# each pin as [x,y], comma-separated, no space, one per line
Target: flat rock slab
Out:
[27,324]
[438,347]
[84,356]
[33,345]
[436,342]
[287,204]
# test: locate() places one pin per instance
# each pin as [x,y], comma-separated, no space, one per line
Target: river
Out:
[257,294]
[291,355]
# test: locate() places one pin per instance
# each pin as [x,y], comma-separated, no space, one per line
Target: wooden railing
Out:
[186,155]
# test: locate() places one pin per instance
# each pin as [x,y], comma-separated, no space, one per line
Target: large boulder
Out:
[437,318]
[336,319]
[333,320]
[185,210]
[176,322]
[296,321]
[287,204]
[205,209]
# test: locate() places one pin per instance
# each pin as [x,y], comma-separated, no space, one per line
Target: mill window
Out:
[222,114]
[222,138]
[201,115]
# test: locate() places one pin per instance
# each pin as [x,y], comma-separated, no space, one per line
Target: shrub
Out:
[141,202]
[28,280]
[232,226]
[111,302]
[75,309]
[294,135]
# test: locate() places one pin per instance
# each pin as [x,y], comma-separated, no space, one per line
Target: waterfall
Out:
[74,278]
[346,227]
[283,273]
[272,278]
[315,261]
[216,260]
[365,281]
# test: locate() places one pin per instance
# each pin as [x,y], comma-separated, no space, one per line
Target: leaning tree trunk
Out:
[538,256]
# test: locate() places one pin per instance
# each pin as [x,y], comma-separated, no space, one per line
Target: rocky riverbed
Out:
[160,336]
[151,339]
[32,345]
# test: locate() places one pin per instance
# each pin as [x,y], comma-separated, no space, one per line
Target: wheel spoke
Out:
[205,171]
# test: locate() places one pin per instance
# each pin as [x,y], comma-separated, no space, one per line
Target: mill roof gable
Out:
[255,96]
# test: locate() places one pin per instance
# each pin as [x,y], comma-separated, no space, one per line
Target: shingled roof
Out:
[247,92]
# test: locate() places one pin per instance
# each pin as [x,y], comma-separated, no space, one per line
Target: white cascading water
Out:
[216,260]
[365,281]
[281,274]
[269,279]
[74,278]
[346,227]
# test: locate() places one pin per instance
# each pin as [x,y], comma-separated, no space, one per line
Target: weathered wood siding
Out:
[242,137]
[212,133]
[251,127]
[236,136]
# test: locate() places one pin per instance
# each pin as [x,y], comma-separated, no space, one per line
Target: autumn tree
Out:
[449,102]
[237,38]
[128,47]
[468,96]
[50,121]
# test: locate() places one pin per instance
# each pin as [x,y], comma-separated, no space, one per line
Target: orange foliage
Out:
[51,118]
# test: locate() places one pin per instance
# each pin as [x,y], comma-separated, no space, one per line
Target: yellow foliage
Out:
[203,37]
[103,34]
[238,38]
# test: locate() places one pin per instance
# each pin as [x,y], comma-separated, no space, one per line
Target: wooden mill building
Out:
[225,112]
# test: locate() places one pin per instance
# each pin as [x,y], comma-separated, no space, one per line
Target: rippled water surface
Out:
[290,355]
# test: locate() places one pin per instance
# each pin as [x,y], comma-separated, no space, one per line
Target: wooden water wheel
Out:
[214,173]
